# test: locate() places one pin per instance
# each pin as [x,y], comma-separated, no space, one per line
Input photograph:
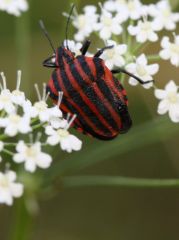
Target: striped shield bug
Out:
[90,90]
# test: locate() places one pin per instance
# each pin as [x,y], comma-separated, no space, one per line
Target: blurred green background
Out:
[149,150]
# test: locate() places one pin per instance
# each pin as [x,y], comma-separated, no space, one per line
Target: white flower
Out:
[85,23]
[14,124]
[169,100]
[58,122]
[163,16]
[114,5]
[6,97]
[18,97]
[9,188]
[40,109]
[145,30]
[73,46]
[126,9]
[28,109]
[55,118]
[142,70]
[118,6]
[14,7]
[32,156]
[114,56]
[6,101]
[55,112]
[170,50]
[135,9]
[108,25]
[68,142]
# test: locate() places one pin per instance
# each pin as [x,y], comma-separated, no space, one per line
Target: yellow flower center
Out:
[166,13]
[131,5]
[107,21]
[15,119]
[63,133]
[141,70]
[31,152]
[81,22]
[145,26]
[5,98]
[4,183]
[172,97]
[41,106]
[110,53]
[8,1]
[174,48]
[121,1]
[17,93]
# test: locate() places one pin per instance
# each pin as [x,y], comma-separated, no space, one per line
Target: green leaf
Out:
[118,181]
[148,133]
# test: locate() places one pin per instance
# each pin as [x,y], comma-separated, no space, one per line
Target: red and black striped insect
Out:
[90,90]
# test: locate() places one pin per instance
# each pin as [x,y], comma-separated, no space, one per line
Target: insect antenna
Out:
[42,26]
[68,24]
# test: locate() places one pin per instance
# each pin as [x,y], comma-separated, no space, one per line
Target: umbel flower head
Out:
[169,100]
[14,7]
[142,69]
[170,50]
[32,155]
[138,26]
[19,121]
[9,189]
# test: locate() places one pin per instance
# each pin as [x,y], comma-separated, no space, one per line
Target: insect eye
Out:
[53,60]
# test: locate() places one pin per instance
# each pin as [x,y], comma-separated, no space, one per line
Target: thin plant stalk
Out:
[22,218]
[118,181]
[22,43]
[22,221]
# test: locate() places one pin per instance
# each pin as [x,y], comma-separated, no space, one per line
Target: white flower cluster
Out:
[14,7]
[20,118]
[130,26]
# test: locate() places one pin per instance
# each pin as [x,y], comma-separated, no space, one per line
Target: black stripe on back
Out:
[55,81]
[99,67]
[117,104]
[111,97]
[75,96]
[86,128]
[93,97]
[84,65]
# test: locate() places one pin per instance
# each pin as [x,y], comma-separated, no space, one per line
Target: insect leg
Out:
[85,47]
[100,52]
[125,117]
[119,70]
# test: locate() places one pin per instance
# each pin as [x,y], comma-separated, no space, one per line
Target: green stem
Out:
[39,125]
[3,136]
[129,39]
[154,57]
[111,181]
[22,222]
[136,48]
[145,134]
[8,152]
[124,37]
[23,41]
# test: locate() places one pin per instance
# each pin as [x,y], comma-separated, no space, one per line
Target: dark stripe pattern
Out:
[88,94]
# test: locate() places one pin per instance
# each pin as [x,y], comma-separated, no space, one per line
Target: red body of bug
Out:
[90,91]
